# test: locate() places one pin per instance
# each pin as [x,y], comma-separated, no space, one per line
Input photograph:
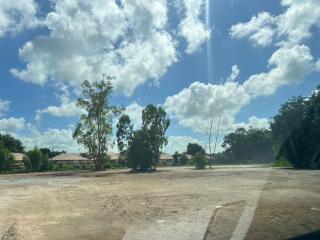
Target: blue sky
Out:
[158,51]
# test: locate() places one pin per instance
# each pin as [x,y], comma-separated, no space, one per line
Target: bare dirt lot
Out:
[173,203]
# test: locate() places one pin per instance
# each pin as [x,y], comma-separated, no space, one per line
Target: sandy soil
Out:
[174,203]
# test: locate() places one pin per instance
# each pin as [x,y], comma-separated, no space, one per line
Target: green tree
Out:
[200,160]
[287,120]
[94,130]
[45,163]
[138,154]
[195,148]
[124,134]
[183,159]
[27,163]
[12,144]
[36,158]
[176,158]
[145,145]
[302,146]
[50,153]
[154,126]
[6,158]
[249,146]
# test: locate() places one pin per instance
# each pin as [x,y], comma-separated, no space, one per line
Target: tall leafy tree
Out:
[176,158]
[248,146]
[124,133]
[144,146]
[6,159]
[11,143]
[36,160]
[302,146]
[288,119]
[94,130]
[194,149]
[154,126]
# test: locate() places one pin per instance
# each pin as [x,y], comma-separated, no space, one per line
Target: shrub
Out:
[183,159]
[6,159]
[37,161]
[45,163]
[200,161]
[27,163]
[282,162]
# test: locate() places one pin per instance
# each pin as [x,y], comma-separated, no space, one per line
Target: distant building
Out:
[19,158]
[71,159]
[165,159]
[114,156]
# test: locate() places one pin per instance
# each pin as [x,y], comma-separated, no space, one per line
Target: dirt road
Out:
[174,203]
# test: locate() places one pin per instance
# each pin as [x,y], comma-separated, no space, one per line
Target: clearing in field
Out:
[173,203]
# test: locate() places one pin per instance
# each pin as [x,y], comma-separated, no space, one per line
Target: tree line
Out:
[139,149]
[293,137]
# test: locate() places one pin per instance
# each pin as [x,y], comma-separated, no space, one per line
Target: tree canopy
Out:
[11,143]
[94,130]
[302,145]
[195,148]
[248,146]
[143,146]
[124,133]
[6,159]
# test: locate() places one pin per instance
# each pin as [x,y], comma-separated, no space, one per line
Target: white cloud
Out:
[291,27]
[67,108]
[4,106]
[290,66]
[254,122]
[12,125]
[296,22]
[15,16]
[193,106]
[191,27]
[234,73]
[134,111]
[179,143]
[56,139]
[87,38]
[258,29]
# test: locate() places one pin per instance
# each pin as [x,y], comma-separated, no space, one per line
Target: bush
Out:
[200,161]
[6,159]
[183,159]
[27,163]
[45,163]
[37,161]
[282,162]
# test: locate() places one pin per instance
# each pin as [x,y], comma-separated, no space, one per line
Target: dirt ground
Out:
[173,203]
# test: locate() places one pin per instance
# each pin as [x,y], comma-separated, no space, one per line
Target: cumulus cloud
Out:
[15,16]
[128,40]
[255,122]
[290,66]
[234,73]
[12,125]
[191,27]
[258,29]
[194,106]
[56,139]
[180,143]
[67,107]
[134,111]
[4,106]
[291,27]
